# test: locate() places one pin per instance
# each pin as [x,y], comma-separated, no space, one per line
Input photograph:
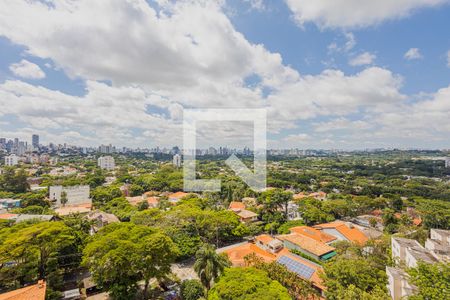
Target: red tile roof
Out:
[313,233]
[307,243]
[352,234]
[8,216]
[237,253]
[32,292]
[234,205]
[177,195]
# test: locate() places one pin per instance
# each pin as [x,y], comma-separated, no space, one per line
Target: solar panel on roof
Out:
[296,266]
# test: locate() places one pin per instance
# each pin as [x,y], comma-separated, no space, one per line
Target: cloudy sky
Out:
[345,74]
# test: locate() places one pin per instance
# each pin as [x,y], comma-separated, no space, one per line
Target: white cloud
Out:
[342,124]
[187,43]
[188,54]
[350,43]
[413,53]
[26,69]
[257,4]
[334,93]
[365,58]
[354,13]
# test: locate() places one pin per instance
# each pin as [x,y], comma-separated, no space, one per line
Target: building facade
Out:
[75,194]
[11,160]
[106,162]
[176,160]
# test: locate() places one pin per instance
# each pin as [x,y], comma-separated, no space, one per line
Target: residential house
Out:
[343,231]
[100,219]
[236,206]
[270,249]
[245,216]
[308,246]
[31,292]
[9,203]
[313,233]
[268,243]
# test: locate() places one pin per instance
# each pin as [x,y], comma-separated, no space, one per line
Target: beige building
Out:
[78,194]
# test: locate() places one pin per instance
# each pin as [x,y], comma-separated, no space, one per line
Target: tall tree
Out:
[64,198]
[33,246]
[209,264]
[432,280]
[121,254]
[247,284]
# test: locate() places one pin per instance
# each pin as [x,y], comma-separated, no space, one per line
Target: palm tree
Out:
[209,264]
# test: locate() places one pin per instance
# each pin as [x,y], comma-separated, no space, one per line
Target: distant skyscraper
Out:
[177,160]
[35,140]
[447,162]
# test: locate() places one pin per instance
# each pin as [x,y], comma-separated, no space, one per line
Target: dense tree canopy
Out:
[432,281]
[247,284]
[122,254]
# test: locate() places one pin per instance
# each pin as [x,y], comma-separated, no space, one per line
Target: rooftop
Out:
[308,244]
[422,254]
[32,292]
[351,233]
[235,205]
[313,233]
[406,242]
[246,214]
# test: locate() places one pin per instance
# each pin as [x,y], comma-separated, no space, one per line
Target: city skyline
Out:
[330,78]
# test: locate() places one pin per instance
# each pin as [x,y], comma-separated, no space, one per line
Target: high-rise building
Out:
[176,160]
[106,162]
[11,160]
[447,162]
[35,141]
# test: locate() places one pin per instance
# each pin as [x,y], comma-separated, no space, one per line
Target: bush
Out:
[191,290]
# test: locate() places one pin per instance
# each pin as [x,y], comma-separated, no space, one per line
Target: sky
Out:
[341,74]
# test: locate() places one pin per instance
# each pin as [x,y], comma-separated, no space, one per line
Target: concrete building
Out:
[408,253]
[106,162]
[447,162]
[439,243]
[75,194]
[399,246]
[11,160]
[176,160]
[398,284]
